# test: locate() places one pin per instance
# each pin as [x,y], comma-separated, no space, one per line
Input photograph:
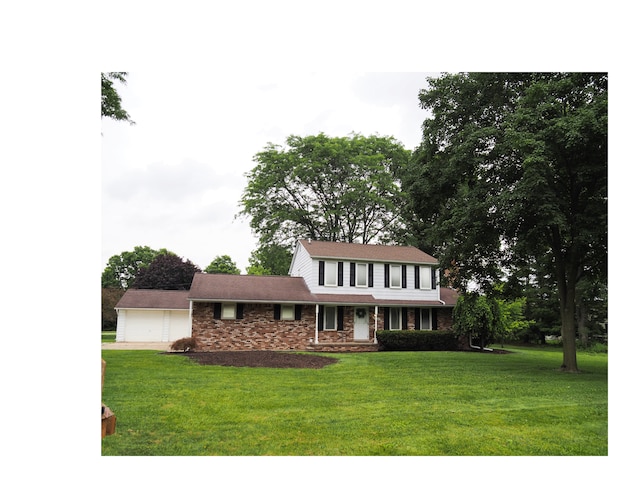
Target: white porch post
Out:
[375,325]
[317,313]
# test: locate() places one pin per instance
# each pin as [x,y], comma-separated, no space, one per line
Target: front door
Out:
[361,323]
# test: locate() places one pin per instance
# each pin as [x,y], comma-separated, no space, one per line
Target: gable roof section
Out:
[249,288]
[358,251]
[155,299]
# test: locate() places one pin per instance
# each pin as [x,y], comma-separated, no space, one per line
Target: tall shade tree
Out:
[325,188]
[222,264]
[121,269]
[111,102]
[167,272]
[514,167]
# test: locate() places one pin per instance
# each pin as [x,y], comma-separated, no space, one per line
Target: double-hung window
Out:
[396,276]
[287,312]
[425,277]
[395,318]
[361,274]
[425,319]
[330,316]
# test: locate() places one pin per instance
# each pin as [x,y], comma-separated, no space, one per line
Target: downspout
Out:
[317,313]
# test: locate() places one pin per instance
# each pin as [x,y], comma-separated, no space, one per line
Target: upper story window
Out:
[395,276]
[425,277]
[361,274]
[330,273]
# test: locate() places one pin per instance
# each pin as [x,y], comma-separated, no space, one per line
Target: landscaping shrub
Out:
[185,344]
[417,340]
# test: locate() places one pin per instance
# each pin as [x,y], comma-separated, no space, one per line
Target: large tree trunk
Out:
[567,274]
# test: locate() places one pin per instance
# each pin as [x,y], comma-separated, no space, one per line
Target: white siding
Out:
[301,266]
[378,290]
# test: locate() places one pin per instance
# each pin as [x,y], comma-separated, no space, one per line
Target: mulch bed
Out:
[258,358]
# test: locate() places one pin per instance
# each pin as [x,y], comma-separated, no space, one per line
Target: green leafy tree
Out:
[270,260]
[111,101]
[121,269]
[110,297]
[166,271]
[478,317]
[222,264]
[514,167]
[324,188]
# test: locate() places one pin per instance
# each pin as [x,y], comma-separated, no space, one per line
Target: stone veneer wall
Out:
[258,330]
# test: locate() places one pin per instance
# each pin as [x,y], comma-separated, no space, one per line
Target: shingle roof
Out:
[246,288]
[358,251]
[157,299]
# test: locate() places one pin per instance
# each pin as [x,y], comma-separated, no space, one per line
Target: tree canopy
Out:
[166,271]
[121,269]
[327,188]
[222,264]
[512,171]
[111,101]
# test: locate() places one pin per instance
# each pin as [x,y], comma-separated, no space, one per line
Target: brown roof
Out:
[246,288]
[358,251]
[160,299]
[449,296]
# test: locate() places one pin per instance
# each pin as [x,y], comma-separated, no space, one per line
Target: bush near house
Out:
[187,344]
[417,340]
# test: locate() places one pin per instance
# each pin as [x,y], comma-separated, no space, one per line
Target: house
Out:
[335,298]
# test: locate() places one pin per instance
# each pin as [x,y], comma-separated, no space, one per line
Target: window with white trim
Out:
[396,276]
[287,312]
[425,319]
[395,318]
[425,277]
[228,311]
[361,274]
[330,317]
[331,273]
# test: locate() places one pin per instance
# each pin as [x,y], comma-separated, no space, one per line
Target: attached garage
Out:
[153,316]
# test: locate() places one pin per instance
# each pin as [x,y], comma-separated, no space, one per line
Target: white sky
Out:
[174,179]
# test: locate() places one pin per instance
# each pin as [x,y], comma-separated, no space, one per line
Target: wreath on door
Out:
[360,312]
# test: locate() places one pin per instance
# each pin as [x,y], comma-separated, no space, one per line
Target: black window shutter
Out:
[404,276]
[298,312]
[352,274]
[217,311]
[417,276]
[405,319]
[371,274]
[239,311]
[321,272]
[340,274]
[386,318]
[386,275]
[434,319]
[321,318]
[433,278]
[277,308]
[416,314]
[340,317]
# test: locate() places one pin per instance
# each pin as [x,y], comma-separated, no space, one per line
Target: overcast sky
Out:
[174,179]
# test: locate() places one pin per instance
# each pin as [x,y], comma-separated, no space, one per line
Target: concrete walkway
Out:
[163,346]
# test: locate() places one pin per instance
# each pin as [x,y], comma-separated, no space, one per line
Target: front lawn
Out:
[383,403]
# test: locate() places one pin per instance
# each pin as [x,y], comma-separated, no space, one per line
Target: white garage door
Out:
[155,325]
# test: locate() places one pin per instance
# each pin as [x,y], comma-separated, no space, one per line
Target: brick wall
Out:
[258,330]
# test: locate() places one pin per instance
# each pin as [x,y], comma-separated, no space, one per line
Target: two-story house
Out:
[336,297]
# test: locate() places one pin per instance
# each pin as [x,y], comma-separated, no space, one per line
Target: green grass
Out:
[385,403]
[108,337]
